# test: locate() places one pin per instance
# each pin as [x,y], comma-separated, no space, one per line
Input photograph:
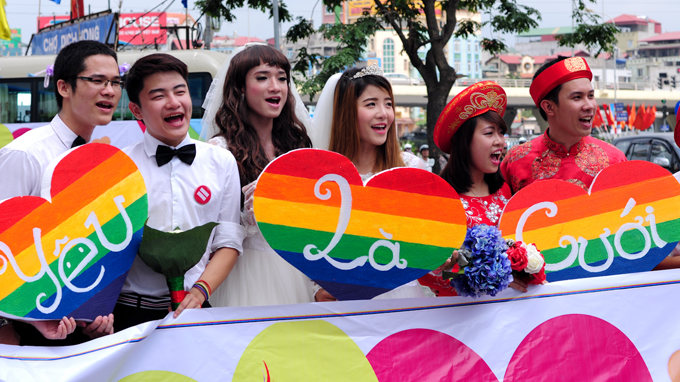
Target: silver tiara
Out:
[373,70]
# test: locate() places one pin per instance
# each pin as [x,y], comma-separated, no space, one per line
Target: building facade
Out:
[465,54]
[656,61]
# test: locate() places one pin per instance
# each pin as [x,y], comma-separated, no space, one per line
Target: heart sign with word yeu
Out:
[68,253]
[628,222]
[357,241]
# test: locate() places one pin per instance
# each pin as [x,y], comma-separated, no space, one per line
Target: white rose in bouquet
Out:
[536,261]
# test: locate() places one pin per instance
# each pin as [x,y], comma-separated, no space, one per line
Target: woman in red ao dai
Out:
[471,129]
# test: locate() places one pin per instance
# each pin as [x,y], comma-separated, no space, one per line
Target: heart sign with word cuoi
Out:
[357,241]
[628,222]
[67,254]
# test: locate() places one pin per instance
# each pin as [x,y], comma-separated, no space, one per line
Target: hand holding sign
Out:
[357,241]
[628,222]
[68,255]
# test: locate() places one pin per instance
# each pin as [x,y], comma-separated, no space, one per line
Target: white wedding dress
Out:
[411,289]
[260,276]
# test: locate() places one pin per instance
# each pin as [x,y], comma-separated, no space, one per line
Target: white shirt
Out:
[427,163]
[170,193]
[24,160]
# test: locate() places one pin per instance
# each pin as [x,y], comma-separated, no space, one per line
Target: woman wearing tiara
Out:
[356,112]
[251,112]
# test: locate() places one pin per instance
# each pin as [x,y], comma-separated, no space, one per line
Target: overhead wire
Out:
[148,26]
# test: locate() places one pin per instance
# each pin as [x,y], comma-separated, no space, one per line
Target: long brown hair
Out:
[288,133]
[344,130]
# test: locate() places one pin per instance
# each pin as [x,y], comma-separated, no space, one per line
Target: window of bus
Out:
[15,101]
[47,103]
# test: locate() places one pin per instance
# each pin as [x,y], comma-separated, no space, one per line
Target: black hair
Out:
[149,65]
[70,63]
[553,95]
[457,170]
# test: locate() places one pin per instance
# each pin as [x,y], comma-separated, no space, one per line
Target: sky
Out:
[23,13]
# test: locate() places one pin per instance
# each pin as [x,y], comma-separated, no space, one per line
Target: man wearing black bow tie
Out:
[189,183]
[87,86]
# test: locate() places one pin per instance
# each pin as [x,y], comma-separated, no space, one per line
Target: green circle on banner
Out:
[5,135]
[313,350]
[157,376]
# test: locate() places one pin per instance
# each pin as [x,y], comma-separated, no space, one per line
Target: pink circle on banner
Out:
[426,355]
[577,347]
[202,194]
[19,132]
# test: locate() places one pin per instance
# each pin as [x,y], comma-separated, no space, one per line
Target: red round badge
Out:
[202,195]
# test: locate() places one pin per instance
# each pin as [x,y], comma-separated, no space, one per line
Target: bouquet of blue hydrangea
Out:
[483,264]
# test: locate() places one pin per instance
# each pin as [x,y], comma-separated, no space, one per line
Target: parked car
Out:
[658,148]
[402,79]
[466,81]
[418,135]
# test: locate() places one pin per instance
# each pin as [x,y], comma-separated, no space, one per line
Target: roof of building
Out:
[510,59]
[538,60]
[546,31]
[632,19]
[242,40]
[668,36]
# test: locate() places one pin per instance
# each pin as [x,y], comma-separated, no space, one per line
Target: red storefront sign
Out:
[142,28]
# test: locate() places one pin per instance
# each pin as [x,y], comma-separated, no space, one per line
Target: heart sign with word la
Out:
[68,253]
[628,222]
[357,241]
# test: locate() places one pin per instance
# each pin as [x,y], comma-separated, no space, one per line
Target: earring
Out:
[242,97]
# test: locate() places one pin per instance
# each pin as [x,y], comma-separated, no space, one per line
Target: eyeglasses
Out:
[100,82]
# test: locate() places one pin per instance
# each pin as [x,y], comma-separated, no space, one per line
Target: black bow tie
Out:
[186,154]
[79,141]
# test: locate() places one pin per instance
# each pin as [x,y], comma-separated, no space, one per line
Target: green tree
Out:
[417,25]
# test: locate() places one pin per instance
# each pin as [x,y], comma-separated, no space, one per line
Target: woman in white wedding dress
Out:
[251,112]
[355,117]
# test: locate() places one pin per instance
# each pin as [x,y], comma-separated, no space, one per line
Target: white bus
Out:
[25,103]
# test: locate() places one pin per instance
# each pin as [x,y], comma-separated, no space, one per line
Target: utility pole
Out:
[186,21]
[277,42]
[572,23]
[207,38]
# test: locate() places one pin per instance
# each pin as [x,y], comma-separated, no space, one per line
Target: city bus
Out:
[26,103]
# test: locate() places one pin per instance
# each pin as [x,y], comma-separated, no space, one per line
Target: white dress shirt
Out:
[24,160]
[172,202]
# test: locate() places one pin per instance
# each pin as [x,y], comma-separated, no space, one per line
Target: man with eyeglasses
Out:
[88,87]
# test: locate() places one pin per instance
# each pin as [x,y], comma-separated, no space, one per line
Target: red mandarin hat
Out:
[557,74]
[471,102]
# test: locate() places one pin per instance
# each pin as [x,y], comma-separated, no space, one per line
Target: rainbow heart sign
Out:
[628,222]
[357,241]
[68,253]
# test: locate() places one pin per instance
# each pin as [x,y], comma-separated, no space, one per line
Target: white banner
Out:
[618,328]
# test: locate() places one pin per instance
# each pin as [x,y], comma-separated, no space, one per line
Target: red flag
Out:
[77,9]
[639,118]
[597,118]
[608,114]
[650,116]
[631,115]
